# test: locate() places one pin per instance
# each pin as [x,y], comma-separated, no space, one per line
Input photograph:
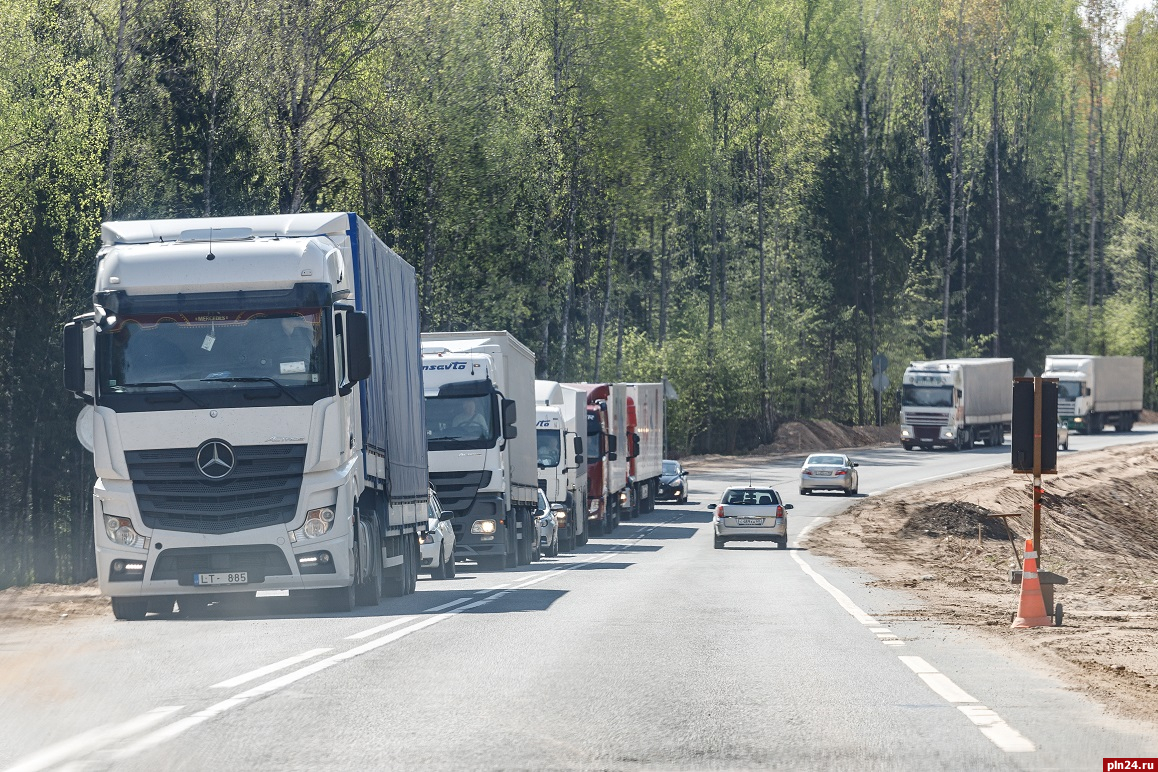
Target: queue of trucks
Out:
[956,403]
[264,414]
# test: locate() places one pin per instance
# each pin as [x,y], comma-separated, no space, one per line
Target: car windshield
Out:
[671,467]
[202,351]
[825,461]
[752,496]
[1069,389]
[549,447]
[460,422]
[927,396]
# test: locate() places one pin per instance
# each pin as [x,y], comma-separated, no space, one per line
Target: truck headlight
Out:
[906,432]
[120,531]
[318,522]
[483,526]
[947,433]
[561,517]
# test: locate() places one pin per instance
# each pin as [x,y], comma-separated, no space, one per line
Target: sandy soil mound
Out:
[1099,531]
[797,437]
[42,603]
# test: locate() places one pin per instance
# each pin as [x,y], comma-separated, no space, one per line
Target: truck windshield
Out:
[927,396]
[1069,389]
[461,422]
[277,352]
[549,447]
[594,435]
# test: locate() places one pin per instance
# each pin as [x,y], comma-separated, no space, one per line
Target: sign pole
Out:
[1037,387]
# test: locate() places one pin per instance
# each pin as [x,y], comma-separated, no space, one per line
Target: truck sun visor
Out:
[301,295]
[467,389]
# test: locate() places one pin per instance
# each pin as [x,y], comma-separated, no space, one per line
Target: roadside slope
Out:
[1099,530]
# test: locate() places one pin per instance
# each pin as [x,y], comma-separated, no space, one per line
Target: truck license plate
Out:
[750,521]
[238,577]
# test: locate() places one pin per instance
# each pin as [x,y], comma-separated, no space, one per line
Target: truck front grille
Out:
[1065,408]
[262,489]
[457,490]
[925,419]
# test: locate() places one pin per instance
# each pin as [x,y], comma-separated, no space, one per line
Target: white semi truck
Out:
[955,403]
[1094,391]
[254,411]
[480,418]
[561,425]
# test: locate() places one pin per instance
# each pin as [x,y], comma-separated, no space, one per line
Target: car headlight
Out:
[676,484]
[426,538]
[483,526]
[593,507]
[120,531]
[561,517]
[318,522]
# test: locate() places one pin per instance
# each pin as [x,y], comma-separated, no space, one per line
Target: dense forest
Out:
[750,198]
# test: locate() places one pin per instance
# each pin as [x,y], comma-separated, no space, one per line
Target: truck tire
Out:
[582,539]
[909,445]
[594,527]
[130,609]
[368,592]
[339,600]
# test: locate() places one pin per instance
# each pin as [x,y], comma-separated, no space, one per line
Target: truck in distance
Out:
[252,387]
[955,403]
[1094,391]
[480,397]
[560,426]
[606,445]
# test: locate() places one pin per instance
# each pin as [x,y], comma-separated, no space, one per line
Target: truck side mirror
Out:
[510,431]
[358,363]
[634,445]
[612,447]
[578,450]
[74,371]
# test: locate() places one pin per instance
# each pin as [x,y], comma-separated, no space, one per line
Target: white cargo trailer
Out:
[645,422]
[1094,391]
[480,420]
[955,403]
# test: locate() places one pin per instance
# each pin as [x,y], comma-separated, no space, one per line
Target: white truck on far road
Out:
[1094,391]
[954,403]
[480,417]
[561,425]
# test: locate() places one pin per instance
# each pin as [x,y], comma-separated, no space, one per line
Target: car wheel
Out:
[1067,445]
[719,543]
[554,551]
[439,571]
[782,543]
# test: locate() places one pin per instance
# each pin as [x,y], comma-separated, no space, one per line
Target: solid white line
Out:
[92,740]
[844,601]
[994,727]
[379,628]
[263,671]
[944,686]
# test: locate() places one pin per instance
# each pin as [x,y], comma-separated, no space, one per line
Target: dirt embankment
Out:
[1100,530]
[48,603]
[796,437]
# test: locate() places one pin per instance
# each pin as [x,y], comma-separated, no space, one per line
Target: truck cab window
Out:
[927,396]
[550,447]
[461,421]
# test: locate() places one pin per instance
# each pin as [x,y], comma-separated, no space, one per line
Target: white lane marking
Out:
[90,741]
[379,628]
[994,727]
[445,606]
[879,629]
[917,665]
[263,671]
[893,642]
[944,686]
[844,601]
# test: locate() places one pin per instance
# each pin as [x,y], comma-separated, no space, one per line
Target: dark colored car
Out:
[673,482]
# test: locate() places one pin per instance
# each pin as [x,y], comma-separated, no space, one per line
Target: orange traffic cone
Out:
[1031,611]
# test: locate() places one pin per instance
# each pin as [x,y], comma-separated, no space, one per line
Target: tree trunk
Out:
[996,211]
[606,303]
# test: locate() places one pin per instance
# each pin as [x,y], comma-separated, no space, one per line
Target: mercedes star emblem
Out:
[215,459]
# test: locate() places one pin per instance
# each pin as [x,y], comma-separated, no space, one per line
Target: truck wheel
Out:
[582,539]
[130,609]
[339,599]
[397,579]
[595,527]
[368,592]
[907,445]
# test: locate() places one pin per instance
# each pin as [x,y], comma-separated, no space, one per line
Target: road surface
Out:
[647,649]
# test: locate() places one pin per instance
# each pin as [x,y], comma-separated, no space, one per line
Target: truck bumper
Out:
[176,562]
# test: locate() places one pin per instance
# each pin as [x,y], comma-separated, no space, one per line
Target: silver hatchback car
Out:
[829,472]
[750,514]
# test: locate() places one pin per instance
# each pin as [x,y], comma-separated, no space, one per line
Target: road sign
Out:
[880,364]
[1024,423]
[880,381]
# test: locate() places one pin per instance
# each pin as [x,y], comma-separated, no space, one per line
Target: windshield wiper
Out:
[167,384]
[255,379]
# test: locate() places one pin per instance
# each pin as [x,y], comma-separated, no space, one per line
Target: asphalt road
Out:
[646,649]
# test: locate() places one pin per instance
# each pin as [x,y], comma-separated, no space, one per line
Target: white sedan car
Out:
[829,472]
[547,525]
[438,541]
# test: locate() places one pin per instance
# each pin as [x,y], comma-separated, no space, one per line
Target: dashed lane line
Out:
[264,671]
[91,741]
